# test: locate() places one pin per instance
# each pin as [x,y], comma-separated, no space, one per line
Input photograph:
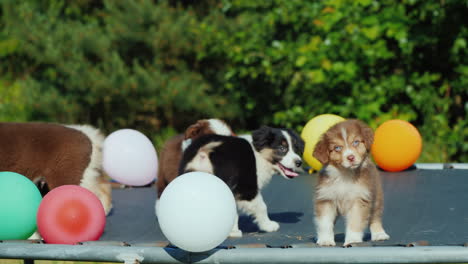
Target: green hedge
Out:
[159,65]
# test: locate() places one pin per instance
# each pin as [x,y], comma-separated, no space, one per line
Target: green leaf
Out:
[316,76]
[371,32]
[301,61]
[8,47]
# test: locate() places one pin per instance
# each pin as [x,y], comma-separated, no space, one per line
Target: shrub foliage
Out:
[159,65]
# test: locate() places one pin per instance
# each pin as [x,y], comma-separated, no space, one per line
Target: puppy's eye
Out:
[356,143]
[338,148]
[282,148]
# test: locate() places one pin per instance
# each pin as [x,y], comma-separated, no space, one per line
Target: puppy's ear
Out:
[262,137]
[194,130]
[367,134]
[321,150]
[298,143]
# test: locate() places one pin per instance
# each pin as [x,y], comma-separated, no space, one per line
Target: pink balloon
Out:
[70,214]
[129,157]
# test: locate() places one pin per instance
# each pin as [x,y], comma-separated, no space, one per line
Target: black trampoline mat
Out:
[420,205]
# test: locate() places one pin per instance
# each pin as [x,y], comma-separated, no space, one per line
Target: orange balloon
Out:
[397,145]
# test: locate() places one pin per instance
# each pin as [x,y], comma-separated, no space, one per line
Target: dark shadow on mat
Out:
[339,238]
[287,217]
[247,225]
[111,212]
[188,257]
[367,237]
[411,168]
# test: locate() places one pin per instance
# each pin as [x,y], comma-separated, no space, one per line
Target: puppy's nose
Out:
[298,163]
[351,158]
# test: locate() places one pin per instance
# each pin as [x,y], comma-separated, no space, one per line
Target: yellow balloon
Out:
[311,134]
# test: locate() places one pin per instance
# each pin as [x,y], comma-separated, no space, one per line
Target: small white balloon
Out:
[196,211]
[130,158]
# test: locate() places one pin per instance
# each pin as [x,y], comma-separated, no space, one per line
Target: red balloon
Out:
[70,214]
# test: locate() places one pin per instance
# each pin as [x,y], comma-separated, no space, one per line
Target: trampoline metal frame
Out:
[419,254]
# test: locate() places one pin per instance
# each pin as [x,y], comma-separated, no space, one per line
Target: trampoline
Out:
[426,216]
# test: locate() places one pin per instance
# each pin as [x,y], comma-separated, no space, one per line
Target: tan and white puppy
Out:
[348,185]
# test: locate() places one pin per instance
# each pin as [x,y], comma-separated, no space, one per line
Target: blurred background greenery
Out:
[157,66]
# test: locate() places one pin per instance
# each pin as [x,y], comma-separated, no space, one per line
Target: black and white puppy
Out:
[246,164]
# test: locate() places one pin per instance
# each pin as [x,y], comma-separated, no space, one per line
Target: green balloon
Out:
[19,202]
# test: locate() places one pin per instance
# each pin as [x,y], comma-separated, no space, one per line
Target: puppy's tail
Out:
[201,161]
[94,178]
[208,148]
[97,141]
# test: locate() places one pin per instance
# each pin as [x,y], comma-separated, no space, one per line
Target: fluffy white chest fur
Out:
[341,189]
[264,170]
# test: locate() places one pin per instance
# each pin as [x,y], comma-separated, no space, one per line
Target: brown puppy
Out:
[52,155]
[172,150]
[348,185]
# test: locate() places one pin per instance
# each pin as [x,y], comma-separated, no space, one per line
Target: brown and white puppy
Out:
[52,155]
[348,185]
[172,150]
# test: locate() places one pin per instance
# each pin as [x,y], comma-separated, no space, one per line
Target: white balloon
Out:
[129,157]
[196,211]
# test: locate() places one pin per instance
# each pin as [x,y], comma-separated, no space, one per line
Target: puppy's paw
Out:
[379,236]
[350,241]
[108,209]
[235,233]
[352,238]
[35,236]
[269,226]
[326,242]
